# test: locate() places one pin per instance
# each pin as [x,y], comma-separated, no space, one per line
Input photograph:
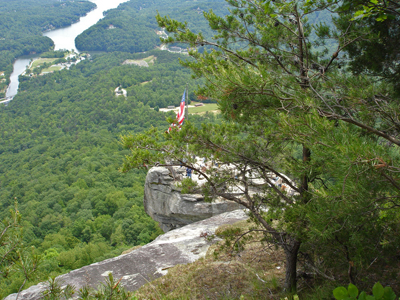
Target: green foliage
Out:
[54,54]
[108,290]
[111,289]
[378,292]
[18,263]
[235,238]
[10,239]
[379,10]
[54,290]
[187,185]
[59,150]
[376,53]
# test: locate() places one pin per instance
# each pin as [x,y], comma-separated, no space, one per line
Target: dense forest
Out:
[132,26]
[59,146]
[22,23]
[60,154]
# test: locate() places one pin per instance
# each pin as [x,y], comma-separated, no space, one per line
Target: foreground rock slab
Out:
[180,246]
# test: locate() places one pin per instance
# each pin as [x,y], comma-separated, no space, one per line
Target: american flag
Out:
[180,116]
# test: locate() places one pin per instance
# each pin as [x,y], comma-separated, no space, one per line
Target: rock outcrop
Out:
[179,246]
[164,202]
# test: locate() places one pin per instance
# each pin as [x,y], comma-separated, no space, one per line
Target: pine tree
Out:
[290,109]
[15,257]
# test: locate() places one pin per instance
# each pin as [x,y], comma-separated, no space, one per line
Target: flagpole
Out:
[187,102]
[187,113]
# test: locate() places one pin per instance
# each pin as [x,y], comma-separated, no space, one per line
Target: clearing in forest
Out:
[41,61]
[51,69]
[199,110]
[207,107]
[145,62]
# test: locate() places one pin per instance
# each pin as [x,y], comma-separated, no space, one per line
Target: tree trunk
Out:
[304,180]
[292,247]
[291,252]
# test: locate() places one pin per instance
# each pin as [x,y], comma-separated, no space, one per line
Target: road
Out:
[6,100]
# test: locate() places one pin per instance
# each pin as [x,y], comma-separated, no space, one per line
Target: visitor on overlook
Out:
[189,172]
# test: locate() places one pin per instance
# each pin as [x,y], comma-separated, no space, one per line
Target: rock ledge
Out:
[179,246]
[171,209]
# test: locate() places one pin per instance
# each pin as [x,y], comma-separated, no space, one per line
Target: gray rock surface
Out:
[179,246]
[171,209]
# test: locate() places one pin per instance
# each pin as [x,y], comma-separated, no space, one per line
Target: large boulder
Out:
[164,202]
[179,246]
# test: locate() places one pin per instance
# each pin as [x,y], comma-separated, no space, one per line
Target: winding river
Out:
[63,38]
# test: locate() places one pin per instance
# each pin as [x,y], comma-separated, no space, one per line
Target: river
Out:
[63,38]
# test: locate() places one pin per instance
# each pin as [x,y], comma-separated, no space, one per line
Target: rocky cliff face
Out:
[171,209]
[179,246]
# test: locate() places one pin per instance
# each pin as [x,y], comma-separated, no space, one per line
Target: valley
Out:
[304,88]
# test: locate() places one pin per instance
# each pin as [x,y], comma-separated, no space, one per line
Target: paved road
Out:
[5,100]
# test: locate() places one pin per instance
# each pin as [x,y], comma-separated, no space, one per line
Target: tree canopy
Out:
[60,155]
[376,54]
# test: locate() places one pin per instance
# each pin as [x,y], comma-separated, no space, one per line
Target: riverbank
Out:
[62,37]
[41,66]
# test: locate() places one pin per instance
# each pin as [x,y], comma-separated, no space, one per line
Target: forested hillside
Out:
[59,137]
[60,154]
[132,26]
[22,23]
